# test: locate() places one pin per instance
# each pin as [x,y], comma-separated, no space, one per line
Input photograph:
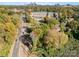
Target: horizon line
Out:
[39,3]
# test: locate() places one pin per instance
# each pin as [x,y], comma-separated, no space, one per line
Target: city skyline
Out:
[39,3]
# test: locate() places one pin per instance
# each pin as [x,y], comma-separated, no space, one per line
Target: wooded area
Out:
[50,37]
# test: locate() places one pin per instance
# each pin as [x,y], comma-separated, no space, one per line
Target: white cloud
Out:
[39,0]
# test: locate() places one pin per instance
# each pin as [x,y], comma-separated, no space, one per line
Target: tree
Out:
[8,26]
[66,13]
[74,25]
[55,39]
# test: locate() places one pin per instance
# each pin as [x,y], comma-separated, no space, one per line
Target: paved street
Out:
[20,49]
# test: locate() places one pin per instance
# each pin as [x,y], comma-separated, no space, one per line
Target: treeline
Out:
[9,23]
[41,7]
[45,8]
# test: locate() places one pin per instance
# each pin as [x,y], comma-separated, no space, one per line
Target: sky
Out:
[40,3]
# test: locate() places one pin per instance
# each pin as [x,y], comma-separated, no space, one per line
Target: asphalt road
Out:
[16,48]
[17,42]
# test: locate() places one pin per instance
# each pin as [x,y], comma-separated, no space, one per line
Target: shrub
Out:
[38,32]
[55,39]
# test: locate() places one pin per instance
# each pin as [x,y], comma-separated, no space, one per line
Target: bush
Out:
[8,28]
[55,39]
[38,32]
[53,22]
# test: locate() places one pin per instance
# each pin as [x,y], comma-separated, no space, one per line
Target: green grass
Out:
[5,51]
